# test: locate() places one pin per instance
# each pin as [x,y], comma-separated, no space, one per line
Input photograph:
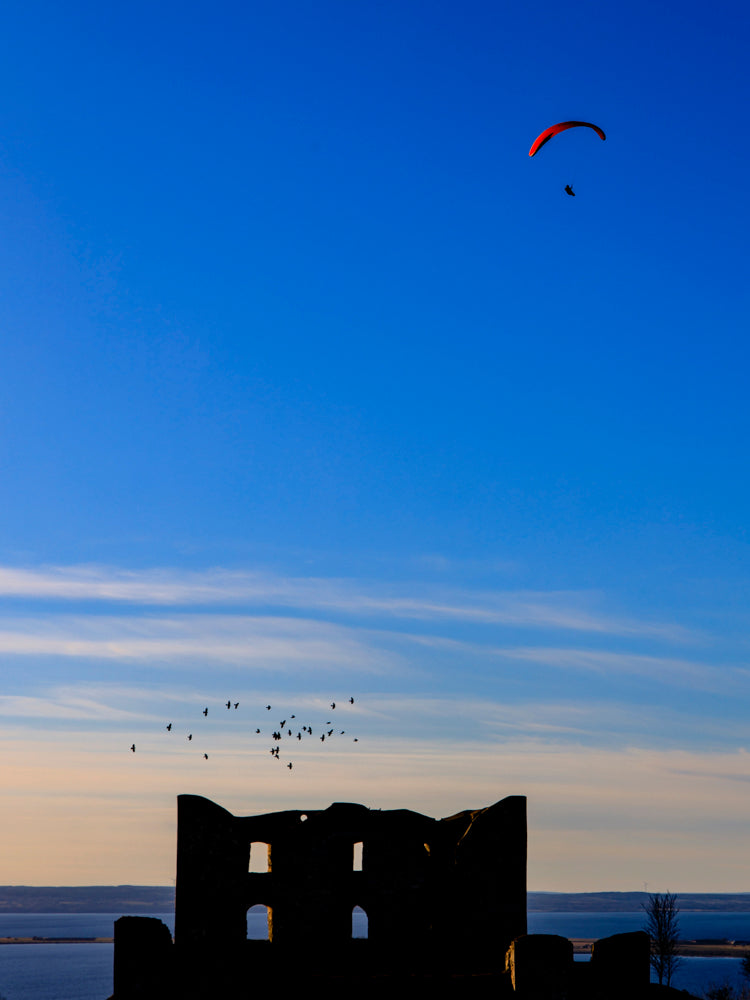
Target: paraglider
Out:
[553,130]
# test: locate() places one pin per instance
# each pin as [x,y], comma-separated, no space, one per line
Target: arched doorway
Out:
[259,923]
[360,923]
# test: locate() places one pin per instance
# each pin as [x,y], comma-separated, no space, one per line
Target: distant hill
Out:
[121,899]
[145,899]
[611,902]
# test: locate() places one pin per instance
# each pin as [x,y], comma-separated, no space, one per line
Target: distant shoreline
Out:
[152,899]
[56,940]
[689,949]
[581,946]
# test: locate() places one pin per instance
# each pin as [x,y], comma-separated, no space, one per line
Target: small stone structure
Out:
[442,898]
[541,967]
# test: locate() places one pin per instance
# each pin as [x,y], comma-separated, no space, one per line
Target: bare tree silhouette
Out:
[663,927]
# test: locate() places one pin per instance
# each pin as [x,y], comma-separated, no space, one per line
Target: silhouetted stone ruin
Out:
[440,896]
[445,905]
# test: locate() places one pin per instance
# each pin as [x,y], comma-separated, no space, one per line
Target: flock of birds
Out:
[278,733]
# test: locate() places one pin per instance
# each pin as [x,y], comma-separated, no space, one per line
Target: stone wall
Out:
[441,896]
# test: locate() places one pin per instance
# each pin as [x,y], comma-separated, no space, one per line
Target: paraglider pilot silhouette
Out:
[552,131]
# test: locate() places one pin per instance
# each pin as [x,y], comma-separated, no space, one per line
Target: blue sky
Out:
[314,385]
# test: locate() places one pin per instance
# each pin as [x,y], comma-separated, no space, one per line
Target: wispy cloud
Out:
[158,587]
[269,643]
[717,775]
[606,663]
[62,705]
[659,668]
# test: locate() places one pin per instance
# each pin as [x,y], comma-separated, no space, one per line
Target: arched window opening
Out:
[357,860]
[260,857]
[360,923]
[259,923]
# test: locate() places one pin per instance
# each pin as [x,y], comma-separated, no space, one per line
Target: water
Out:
[84,971]
[696,974]
[59,971]
[693,925]
[55,971]
[68,925]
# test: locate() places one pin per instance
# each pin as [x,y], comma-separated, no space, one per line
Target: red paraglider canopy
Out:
[554,129]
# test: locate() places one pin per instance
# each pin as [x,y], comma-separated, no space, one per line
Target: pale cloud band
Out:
[261,642]
[159,587]
[459,702]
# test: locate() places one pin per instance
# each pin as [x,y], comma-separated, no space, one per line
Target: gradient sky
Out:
[313,385]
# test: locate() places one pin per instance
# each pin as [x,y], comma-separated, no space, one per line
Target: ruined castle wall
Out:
[450,891]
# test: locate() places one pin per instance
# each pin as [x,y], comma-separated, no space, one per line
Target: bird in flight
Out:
[133,748]
[569,190]
[284,730]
